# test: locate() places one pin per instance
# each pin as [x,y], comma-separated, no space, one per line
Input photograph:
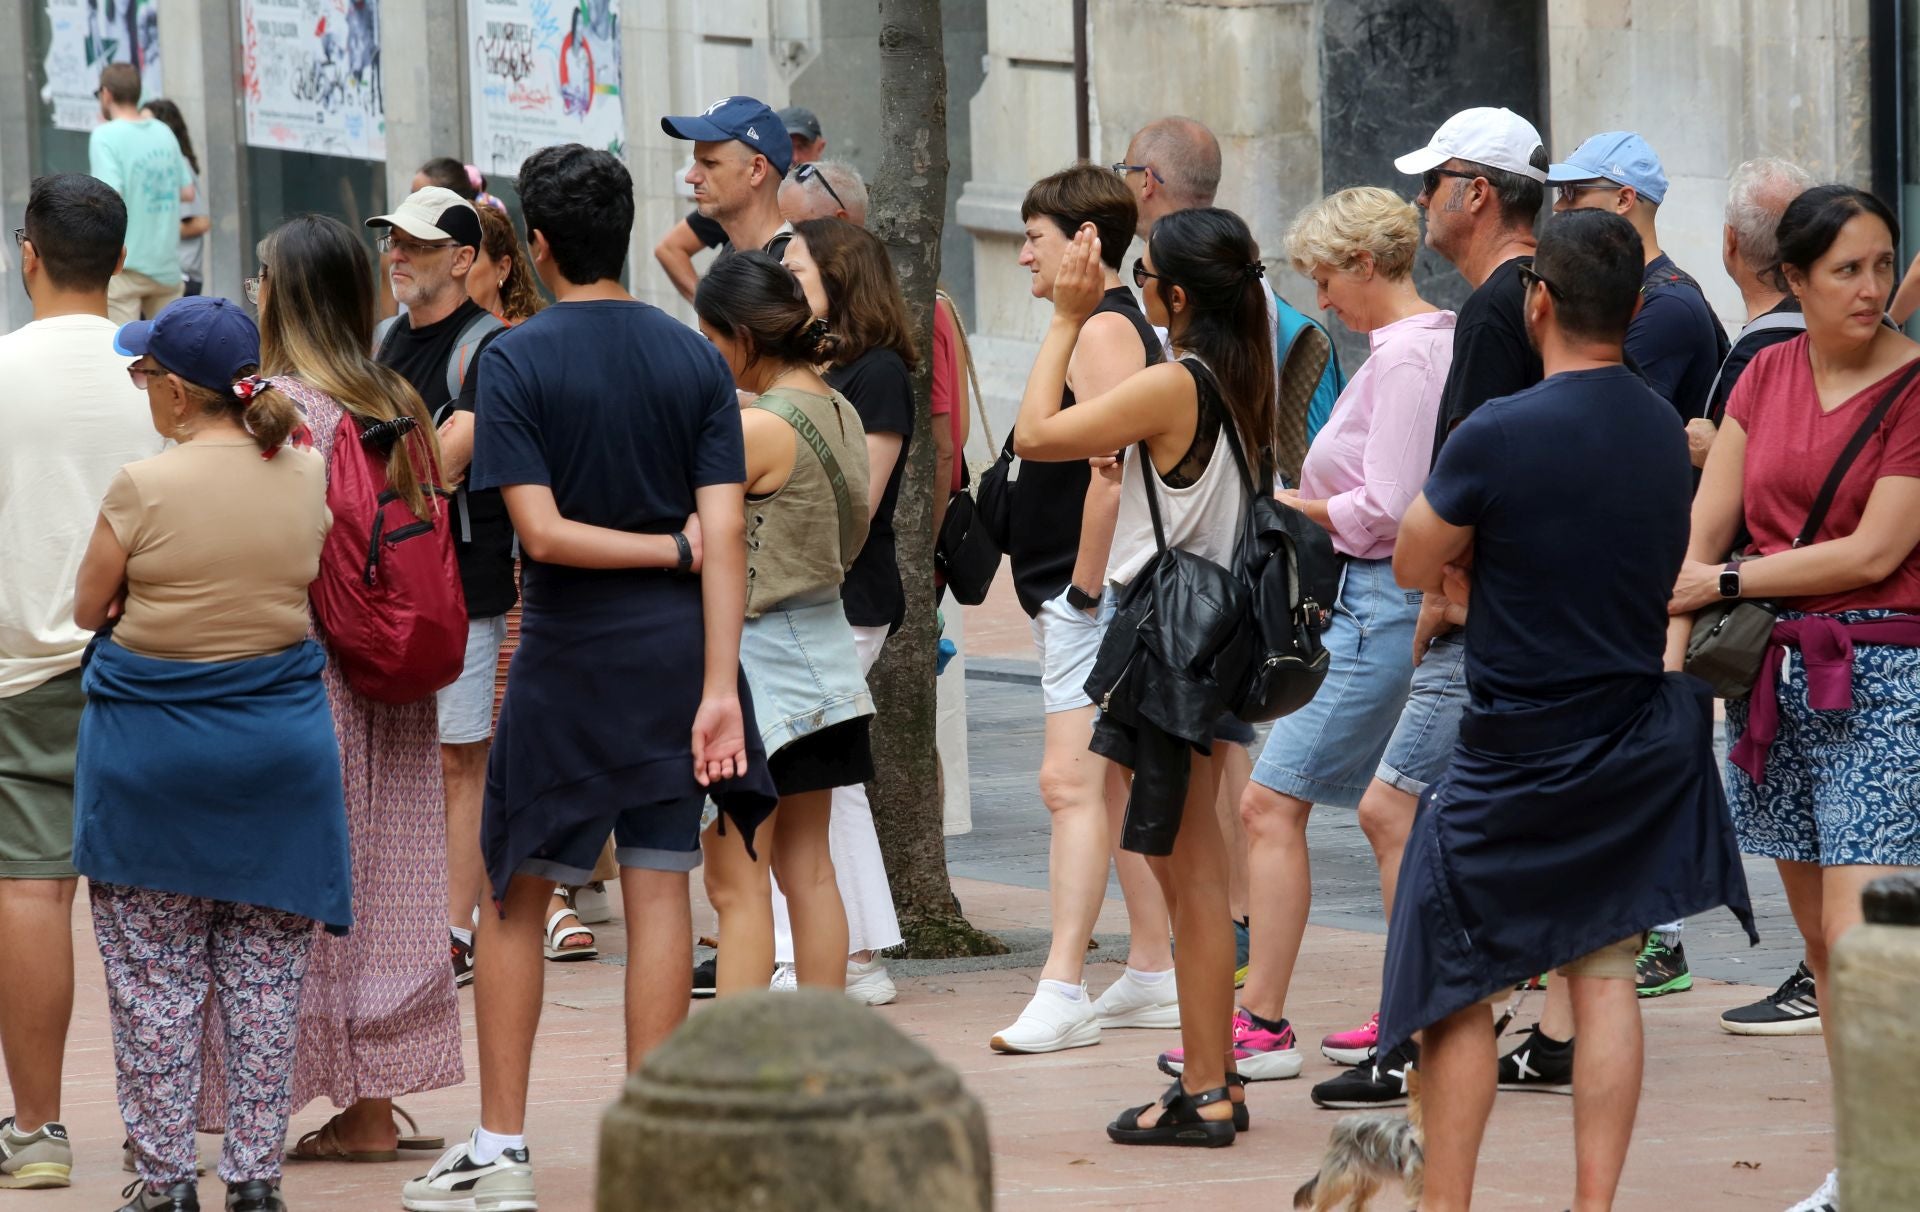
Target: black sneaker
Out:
[255,1195]
[180,1197]
[1789,1010]
[1538,1063]
[706,979]
[462,960]
[1662,969]
[1382,1083]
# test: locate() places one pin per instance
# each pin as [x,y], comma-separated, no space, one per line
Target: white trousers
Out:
[861,873]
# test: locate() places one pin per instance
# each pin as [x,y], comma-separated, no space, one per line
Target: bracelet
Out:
[686,552]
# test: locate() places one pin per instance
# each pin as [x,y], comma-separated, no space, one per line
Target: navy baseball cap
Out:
[1619,156]
[743,119]
[205,340]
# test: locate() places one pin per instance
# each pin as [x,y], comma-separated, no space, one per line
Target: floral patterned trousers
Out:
[163,952]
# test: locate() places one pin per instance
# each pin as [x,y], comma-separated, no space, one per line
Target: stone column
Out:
[422,60]
[201,54]
[1875,1041]
[16,154]
[794,1100]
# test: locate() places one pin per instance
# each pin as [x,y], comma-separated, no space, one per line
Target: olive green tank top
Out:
[798,544]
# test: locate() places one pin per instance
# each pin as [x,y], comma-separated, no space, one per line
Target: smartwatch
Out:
[1080,599]
[1730,580]
[686,551]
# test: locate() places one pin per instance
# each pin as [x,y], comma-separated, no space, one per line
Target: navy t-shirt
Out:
[620,409]
[1578,490]
[880,388]
[1674,340]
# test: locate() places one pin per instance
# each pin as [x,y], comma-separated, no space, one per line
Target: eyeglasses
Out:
[139,373]
[1570,191]
[19,237]
[1529,275]
[412,248]
[253,287]
[1141,275]
[811,172]
[1124,169]
[1430,180]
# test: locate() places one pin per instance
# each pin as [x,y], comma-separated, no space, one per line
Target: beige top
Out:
[794,547]
[221,546]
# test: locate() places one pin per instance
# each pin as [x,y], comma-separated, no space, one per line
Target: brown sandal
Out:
[412,1139]
[323,1145]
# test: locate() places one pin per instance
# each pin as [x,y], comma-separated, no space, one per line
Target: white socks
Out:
[1073,993]
[488,1146]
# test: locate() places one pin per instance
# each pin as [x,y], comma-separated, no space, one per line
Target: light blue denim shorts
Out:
[1422,744]
[466,707]
[1327,752]
[802,669]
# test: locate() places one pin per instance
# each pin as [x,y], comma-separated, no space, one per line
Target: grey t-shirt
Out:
[193,252]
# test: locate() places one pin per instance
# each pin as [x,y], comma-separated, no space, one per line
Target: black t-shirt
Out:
[711,234]
[620,409]
[420,356]
[1491,354]
[1743,350]
[1043,532]
[880,388]
[1675,341]
[1579,530]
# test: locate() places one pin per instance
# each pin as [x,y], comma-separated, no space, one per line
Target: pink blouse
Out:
[1372,456]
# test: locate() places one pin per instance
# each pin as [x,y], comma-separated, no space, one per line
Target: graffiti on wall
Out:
[311,76]
[544,72]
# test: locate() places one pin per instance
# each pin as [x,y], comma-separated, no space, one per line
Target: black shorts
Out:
[837,756]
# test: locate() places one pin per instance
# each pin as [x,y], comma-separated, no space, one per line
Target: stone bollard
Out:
[793,1102]
[1875,1037]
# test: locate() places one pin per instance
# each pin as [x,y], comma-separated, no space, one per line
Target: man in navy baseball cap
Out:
[202,339]
[741,151]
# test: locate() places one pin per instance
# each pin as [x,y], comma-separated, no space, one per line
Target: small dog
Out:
[1364,1153]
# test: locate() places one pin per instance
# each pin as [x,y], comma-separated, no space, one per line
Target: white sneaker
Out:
[784,980]
[1052,1022]
[457,1183]
[869,983]
[1130,1003]
[1826,1199]
[592,905]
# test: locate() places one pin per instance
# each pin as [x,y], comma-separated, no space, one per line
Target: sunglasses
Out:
[140,372]
[811,172]
[1529,275]
[1124,169]
[252,287]
[1430,180]
[1570,191]
[1141,275]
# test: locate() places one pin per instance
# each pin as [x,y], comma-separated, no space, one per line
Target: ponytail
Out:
[268,416]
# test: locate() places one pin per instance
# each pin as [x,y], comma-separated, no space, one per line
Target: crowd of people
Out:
[267,564]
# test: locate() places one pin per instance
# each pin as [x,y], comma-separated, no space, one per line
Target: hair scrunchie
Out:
[1255,269]
[245,389]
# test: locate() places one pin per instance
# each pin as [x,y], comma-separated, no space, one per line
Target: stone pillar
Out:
[200,52]
[796,1101]
[1875,1041]
[421,63]
[16,154]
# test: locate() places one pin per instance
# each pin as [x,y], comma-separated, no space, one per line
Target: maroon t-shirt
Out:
[1792,446]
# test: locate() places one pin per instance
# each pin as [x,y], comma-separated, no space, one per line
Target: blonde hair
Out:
[1367,219]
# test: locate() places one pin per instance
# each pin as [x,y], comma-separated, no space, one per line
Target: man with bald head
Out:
[1172,164]
[825,189]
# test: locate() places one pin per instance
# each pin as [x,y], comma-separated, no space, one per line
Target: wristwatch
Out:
[1080,599]
[1730,580]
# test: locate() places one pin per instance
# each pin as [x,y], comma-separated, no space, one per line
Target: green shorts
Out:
[38,732]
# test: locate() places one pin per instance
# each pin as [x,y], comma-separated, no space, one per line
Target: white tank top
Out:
[1203,518]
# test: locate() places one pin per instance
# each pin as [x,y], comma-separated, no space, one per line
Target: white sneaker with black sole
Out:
[458,1183]
[1792,1009]
[1826,1199]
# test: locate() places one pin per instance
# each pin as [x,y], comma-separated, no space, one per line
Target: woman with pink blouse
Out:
[1363,470]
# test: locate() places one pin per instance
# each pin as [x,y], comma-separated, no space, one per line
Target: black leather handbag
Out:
[964,554]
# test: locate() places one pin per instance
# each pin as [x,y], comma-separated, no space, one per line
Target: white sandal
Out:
[556,933]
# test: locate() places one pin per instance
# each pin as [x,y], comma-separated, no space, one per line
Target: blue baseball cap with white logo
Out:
[205,340]
[1619,156]
[745,119]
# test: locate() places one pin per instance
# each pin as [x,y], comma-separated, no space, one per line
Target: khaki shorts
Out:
[134,296]
[1614,962]
[38,732]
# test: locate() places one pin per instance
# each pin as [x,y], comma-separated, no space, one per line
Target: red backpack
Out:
[388,597]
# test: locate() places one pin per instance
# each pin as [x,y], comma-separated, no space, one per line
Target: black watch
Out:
[1730,581]
[686,551]
[1080,599]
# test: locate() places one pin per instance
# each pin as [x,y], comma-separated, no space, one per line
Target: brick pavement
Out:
[1727,1124]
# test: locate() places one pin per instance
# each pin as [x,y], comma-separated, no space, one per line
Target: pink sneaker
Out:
[1259,1055]
[1353,1047]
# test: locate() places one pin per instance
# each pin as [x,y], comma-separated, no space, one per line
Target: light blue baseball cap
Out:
[1618,155]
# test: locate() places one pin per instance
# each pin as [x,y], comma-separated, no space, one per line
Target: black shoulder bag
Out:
[1730,638]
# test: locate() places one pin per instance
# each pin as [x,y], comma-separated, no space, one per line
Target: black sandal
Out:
[1180,1122]
[1241,1120]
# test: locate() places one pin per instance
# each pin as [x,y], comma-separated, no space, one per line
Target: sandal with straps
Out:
[557,936]
[1241,1119]
[1180,1121]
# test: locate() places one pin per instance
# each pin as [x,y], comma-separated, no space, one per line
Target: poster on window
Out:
[311,76]
[83,37]
[544,72]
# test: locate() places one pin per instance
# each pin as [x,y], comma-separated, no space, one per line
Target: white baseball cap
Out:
[1497,138]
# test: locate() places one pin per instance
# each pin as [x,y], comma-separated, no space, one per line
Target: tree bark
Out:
[909,208]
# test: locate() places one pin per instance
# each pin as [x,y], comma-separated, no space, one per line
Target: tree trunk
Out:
[909,207]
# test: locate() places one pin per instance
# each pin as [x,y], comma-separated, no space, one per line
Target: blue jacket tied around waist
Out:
[218,780]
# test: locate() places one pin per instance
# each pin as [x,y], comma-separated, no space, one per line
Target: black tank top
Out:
[1044,535]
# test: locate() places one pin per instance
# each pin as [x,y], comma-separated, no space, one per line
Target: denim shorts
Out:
[466,707]
[1422,745]
[1068,640]
[1327,752]
[1842,787]
[652,837]
[803,669]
